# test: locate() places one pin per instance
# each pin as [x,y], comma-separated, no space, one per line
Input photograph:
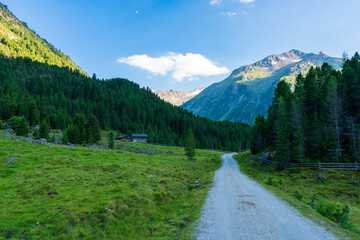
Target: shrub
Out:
[270,182]
[298,195]
[335,212]
[20,125]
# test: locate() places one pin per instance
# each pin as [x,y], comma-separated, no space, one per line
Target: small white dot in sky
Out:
[137,12]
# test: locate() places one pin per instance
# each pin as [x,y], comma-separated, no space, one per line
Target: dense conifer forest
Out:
[40,91]
[319,121]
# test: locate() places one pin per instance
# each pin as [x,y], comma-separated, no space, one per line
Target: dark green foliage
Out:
[258,138]
[34,115]
[298,147]
[64,139]
[93,129]
[319,120]
[190,145]
[282,136]
[20,125]
[44,130]
[118,104]
[111,140]
[73,134]
[83,129]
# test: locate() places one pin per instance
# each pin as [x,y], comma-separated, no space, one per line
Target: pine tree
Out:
[282,136]
[298,147]
[43,130]
[258,138]
[315,138]
[34,115]
[73,134]
[64,139]
[111,140]
[335,115]
[20,125]
[84,138]
[80,121]
[190,145]
[90,140]
[94,128]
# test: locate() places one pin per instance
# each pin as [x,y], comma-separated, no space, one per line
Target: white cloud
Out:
[137,12]
[247,1]
[215,2]
[180,66]
[229,14]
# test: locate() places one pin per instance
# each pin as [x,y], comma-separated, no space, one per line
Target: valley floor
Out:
[137,191]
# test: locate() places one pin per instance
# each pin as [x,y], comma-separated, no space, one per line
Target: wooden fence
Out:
[326,166]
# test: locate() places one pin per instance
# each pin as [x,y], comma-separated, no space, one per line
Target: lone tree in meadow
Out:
[190,145]
[111,140]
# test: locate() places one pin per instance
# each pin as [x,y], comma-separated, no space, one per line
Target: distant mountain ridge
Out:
[249,89]
[177,98]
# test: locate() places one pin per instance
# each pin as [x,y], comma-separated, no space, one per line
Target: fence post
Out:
[356,167]
[319,166]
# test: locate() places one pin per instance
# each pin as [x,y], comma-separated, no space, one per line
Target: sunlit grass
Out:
[101,194]
[299,186]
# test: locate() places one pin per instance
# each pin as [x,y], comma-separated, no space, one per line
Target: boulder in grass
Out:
[10,160]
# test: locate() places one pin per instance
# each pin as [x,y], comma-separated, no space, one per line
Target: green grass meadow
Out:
[333,202]
[72,193]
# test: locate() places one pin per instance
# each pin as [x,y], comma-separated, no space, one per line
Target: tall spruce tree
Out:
[298,147]
[111,140]
[44,129]
[190,145]
[282,141]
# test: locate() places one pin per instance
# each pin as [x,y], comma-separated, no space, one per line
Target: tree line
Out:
[41,92]
[318,121]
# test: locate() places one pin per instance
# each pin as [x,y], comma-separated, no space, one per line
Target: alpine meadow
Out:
[185,149]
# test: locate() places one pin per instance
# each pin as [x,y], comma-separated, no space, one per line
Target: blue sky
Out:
[188,44]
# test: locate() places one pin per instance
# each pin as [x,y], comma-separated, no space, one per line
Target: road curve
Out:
[240,208]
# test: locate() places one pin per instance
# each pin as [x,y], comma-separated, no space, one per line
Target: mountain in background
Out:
[17,40]
[41,84]
[248,91]
[177,98]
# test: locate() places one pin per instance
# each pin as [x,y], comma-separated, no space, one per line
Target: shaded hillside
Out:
[248,90]
[59,94]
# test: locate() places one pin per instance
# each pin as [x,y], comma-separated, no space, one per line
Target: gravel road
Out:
[240,208]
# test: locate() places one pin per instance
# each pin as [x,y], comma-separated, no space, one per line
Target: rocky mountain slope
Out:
[248,91]
[17,40]
[177,98]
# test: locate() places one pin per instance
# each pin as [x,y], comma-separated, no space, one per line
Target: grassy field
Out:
[333,201]
[60,192]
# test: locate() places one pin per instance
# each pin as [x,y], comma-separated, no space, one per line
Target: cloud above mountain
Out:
[179,66]
[219,2]
[215,2]
[247,1]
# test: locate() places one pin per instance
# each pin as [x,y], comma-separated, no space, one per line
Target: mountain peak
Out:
[322,53]
[277,61]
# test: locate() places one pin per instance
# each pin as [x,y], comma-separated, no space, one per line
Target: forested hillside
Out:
[41,83]
[319,121]
[17,40]
[58,94]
